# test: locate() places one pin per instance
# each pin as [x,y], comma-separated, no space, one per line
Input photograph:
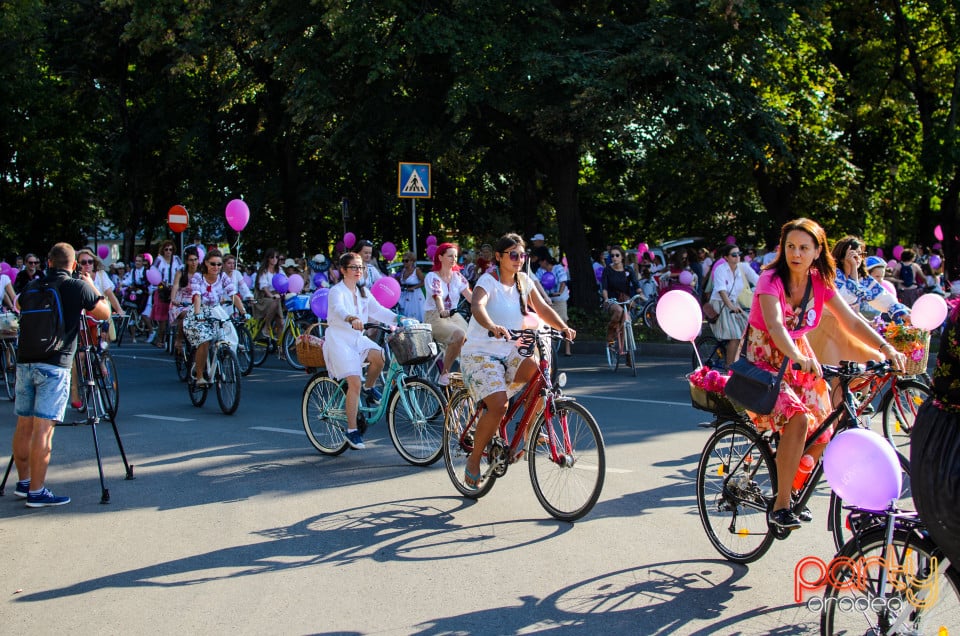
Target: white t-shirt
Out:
[503,307]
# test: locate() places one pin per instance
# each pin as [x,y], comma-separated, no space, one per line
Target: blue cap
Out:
[874,261]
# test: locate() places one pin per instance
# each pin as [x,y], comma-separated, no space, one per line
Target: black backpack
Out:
[41,321]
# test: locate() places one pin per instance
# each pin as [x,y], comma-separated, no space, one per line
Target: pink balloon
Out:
[431,250]
[880,252]
[431,240]
[148,258]
[891,263]
[929,312]
[387,291]
[938,233]
[153,276]
[103,251]
[897,251]
[747,259]
[731,240]
[349,239]
[686,278]
[678,313]
[862,468]
[238,214]
[889,287]
[5,268]
[936,246]
[388,250]
[530,321]
[935,261]
[295,283]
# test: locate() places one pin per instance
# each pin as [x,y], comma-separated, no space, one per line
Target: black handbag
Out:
[750,386]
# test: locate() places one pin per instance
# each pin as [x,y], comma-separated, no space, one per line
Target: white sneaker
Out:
[151,337]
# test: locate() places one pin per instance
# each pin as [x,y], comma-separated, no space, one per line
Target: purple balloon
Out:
[280,283]
[388,250]
[153,276]
[103,251]
[686,278]
[862,467]
[549,281]
[247,280]
[319,279]
[935,262]
[598,271]
[295,283]
[318,303]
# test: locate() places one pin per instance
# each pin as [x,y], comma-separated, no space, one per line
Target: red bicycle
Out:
[567,462]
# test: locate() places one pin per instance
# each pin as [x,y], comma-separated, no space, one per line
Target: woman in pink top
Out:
[777,328]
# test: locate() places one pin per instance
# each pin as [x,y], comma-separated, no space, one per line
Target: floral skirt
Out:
[799,392]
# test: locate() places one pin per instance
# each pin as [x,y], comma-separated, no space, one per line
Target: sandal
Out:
[471,480]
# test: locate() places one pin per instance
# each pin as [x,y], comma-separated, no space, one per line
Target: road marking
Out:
[289,431]
[164,417]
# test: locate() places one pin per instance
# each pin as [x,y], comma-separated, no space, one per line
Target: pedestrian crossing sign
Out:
[413,181]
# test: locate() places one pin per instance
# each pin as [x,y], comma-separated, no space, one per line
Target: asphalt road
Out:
[234,524]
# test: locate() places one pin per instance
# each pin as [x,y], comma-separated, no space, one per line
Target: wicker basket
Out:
[715,403]
[915,367]
[412,344]
[310,349]
[9,325]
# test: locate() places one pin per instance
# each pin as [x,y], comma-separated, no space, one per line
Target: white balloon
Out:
[678,314]
[929,312]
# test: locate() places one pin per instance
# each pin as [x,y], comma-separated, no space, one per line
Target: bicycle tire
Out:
[650,315]
[261,347]
[323,415]
[630,348]
[227,380]
[198,394]
[459,426]
[733,505]
[569,487]
[612,355]
[183,360]
[10,369]
[899,408]
[290,347]
[852,603]
[840,523]
[244,349]
[416,423]
[110,383]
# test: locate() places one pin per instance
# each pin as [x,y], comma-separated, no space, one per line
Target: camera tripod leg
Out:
[104,493]
[6,475]
[128,468]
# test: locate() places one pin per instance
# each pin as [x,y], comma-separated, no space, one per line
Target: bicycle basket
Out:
[310,349]
[715,403]
[9,324]
[412,344]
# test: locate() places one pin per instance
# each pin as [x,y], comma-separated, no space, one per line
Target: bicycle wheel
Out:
[323,415]
[415,420]
[261,346]
[842,523]
[460,423]
[107,375]
[569,485]
[899,408]
[613,356]
[227,379]
[10,369]
[244,349]
[650,314]
[198,394]
[736,482]
[709,352]
[183,359]
[290,335]
[630,348]
[921,591]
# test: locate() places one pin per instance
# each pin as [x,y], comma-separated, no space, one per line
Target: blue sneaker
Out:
[44,499]
[355,440]
[372,395]
[22,489]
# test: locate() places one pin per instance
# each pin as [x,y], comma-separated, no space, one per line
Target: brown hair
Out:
[504,243]
[845,244]
[824,263]
[345,259]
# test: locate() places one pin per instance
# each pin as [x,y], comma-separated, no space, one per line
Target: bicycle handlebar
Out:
[847,370]
[623,303]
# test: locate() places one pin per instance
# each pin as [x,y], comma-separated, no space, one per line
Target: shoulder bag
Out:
[710,313]
[745,297]
[750,386]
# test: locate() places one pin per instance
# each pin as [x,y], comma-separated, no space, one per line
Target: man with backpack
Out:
[50,315]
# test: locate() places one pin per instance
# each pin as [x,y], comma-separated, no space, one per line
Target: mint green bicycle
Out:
[413,406]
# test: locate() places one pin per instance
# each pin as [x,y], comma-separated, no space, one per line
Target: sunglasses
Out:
[734,254]
[33,262]
[217,264]
[355,268]
[517,256]
[86,261]
[168,249]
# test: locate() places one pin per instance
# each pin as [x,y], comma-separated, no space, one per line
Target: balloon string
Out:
[236,247]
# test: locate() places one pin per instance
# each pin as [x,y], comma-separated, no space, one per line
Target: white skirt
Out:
[344,356]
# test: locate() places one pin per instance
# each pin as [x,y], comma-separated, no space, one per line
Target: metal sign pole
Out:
[413,228]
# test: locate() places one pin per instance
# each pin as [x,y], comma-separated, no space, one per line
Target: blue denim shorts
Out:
[42,391]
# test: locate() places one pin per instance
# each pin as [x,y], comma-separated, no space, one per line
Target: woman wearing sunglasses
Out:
[345,347]
[493,369]
[209,287]
[168,264]
[617,282]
